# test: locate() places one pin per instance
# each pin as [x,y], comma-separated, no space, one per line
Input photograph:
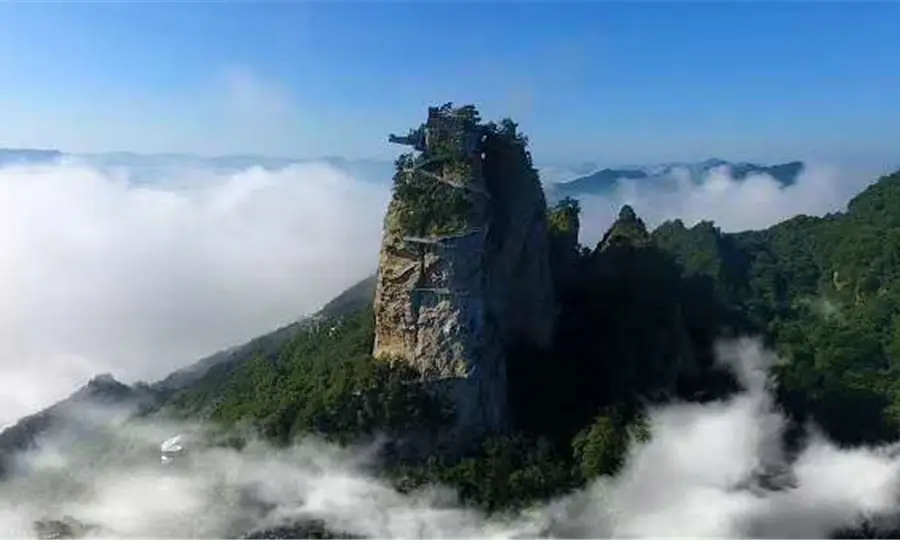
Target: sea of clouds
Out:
[137,265]
[103,269]
[107,270]
[696,477]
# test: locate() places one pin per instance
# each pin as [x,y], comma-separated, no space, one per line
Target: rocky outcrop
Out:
[464,269]
[628,230]
[565,251]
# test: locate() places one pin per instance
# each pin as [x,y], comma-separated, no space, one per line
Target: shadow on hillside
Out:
[632,330]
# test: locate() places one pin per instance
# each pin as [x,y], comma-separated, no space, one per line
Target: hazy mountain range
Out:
[602,181]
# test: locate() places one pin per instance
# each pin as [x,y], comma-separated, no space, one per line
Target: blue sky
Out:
[612,82]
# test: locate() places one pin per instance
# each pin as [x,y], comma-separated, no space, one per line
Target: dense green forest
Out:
[638,316]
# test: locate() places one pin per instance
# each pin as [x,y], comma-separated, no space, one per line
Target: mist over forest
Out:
[417,270]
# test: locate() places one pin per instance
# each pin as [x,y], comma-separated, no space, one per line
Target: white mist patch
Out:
[711,470]
[705,471]
[755,202]
[100,274]
[822,306]
[113,483]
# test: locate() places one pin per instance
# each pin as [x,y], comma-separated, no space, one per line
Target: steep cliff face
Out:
[464,269]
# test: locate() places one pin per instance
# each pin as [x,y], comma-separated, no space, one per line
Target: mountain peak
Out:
[627,214]
[628,230]
[102,380]
[714,162]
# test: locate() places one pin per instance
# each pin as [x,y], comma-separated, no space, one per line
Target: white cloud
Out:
[756,202]
[695,478]
[99,274]
[118,483]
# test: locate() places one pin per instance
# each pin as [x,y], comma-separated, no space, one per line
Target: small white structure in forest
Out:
[170,448]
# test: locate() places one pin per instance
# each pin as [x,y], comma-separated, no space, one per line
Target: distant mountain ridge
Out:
[20,156]
[603,181]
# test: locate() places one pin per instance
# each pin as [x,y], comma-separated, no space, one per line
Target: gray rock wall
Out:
[451,305]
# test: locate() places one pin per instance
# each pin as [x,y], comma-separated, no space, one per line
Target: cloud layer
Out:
[704,473]
[699,476]
[752,203]
[138,268]
[99,273]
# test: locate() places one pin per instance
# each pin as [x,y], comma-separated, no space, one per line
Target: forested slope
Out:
[826,292]
[638,317]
